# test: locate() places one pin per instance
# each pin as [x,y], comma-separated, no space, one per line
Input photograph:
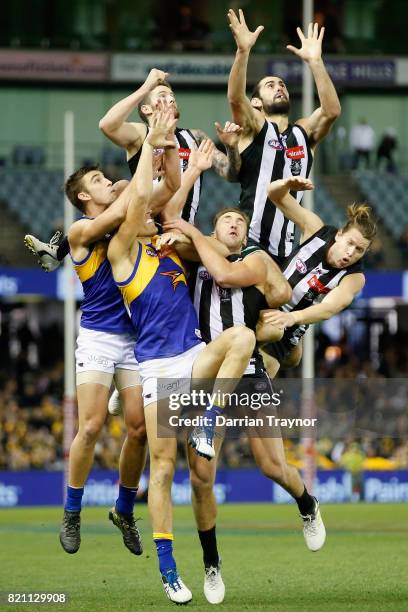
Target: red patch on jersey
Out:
[315,284]
[165,251]
[184,153]
[295,152]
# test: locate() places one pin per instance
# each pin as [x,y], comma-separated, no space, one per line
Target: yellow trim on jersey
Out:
[146,270]
[89,268]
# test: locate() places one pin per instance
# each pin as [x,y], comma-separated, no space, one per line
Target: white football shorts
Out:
[162,377]
[104,352]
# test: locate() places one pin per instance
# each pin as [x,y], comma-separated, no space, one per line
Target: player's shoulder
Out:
[77,227]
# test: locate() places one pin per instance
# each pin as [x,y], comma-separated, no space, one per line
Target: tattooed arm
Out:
[227,166]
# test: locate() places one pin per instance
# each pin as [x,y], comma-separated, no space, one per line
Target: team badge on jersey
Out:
[295,167]
[301,266]
[176,276]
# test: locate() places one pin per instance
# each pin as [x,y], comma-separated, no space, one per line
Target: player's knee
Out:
[242,340]
[283,292]
[90,431]
[136,433]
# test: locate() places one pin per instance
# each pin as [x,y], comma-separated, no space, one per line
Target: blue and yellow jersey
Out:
[102,307]
[157,298]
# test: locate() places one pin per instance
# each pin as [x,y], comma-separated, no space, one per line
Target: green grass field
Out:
[363,566]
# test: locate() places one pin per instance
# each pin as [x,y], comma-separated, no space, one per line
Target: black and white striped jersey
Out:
[220,308]
[311,278]
[308,272]
[186,142]
[270,156]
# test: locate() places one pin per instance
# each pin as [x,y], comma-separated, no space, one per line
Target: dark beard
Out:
[277,108]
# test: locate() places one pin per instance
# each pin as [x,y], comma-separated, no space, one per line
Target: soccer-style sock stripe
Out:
[162,536]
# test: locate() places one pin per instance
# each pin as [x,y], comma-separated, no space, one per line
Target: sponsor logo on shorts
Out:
[197,333]
[97,360]
[301,266]
[275,144]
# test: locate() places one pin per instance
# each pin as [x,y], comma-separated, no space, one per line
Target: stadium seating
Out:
[387,193]
[218,193]
[35,196]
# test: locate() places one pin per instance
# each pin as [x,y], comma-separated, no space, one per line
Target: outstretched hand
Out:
[229,134]
[279,189]
[202,158]
[244,38]
[179,224]
[311,48]
[163,123]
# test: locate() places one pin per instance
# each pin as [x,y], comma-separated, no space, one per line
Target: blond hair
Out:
[361,217]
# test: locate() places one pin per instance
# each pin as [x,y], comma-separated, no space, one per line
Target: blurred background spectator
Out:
[385,151]
[362,142]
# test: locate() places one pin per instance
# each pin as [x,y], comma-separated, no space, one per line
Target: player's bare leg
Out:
[163,453]
[202,476]
[269,454]
[92,409]
[131,463]
[225,360]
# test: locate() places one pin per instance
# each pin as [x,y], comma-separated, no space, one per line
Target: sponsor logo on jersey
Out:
[316,285]
[275,144]
[301,266]
[295,152]
[151,252]
[204,275]
[184,153]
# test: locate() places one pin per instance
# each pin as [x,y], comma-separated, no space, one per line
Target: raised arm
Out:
[171,181]
[86,231]
[225,273]
[243,113]
[321,120]
[199,161]
[226,166]
[279,193]
[141,187]
[114,125]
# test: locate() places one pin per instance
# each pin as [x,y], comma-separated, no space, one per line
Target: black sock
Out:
[306,503]
[208,541]
[63,248]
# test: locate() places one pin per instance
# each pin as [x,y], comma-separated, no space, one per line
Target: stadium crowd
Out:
[31,417]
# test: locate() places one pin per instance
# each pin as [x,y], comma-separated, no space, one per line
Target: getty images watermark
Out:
[256,411]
